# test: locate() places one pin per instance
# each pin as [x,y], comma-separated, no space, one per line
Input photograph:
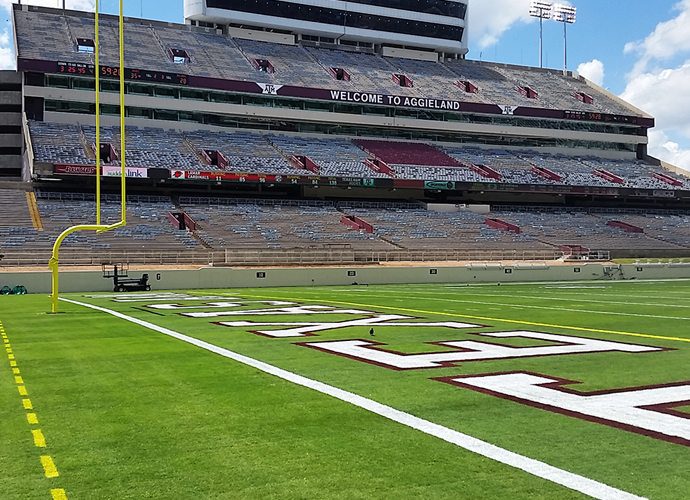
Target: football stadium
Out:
[311,249]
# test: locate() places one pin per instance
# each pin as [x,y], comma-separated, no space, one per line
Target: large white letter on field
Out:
[645,410]
[216,305]
[303,329]
[465,351]
[290,311]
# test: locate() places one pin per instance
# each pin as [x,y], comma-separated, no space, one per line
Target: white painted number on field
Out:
[642,410]
[473,351]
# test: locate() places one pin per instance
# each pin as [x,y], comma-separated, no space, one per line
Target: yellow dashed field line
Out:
[39,438]
[486,318]
[49,468]
[58,494]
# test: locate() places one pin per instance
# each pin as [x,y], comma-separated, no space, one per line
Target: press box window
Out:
[264,65]
[179,56]
[403,80]
[340,74]
[86,45]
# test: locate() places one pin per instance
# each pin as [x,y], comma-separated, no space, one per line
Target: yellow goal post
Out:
[98,226]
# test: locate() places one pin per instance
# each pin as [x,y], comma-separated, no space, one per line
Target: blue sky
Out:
[635,48]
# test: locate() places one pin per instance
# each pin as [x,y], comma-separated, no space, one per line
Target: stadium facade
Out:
[237,101]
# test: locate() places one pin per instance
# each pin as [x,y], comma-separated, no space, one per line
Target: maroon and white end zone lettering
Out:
[305,329]
[465,351]
[644,410]
[651,411]
[213,305]
[278,311]
[308,329]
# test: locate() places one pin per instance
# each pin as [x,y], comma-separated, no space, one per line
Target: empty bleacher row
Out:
[251,152]
[226,224]
[53,36]
[591,230]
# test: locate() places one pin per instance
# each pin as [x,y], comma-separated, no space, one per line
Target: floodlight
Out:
[566,14]
[542,10]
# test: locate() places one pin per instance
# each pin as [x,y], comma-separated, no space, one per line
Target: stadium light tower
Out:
[565,14]
[542,10]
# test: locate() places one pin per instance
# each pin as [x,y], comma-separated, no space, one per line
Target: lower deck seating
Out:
[299,224]
[252,152]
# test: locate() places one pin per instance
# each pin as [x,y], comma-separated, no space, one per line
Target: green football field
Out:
[514,391]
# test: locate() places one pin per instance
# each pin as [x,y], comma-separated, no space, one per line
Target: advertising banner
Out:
[74,169]
[130,172]
[442,185]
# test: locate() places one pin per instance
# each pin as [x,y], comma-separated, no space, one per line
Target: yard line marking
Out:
[49,468]
[489,319]
[534,467]
[39,438]
[58,494]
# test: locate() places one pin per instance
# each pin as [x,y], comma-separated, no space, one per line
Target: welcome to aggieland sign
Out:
[394,100]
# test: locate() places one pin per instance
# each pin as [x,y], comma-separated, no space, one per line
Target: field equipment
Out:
[121,280]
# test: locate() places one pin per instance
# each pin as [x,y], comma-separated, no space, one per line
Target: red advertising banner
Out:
[75,169]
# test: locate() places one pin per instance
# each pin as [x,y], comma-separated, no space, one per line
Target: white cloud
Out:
[70,4]
[7,60]
[489,19]
[661,146]
[668,39]
[7,56]
[593,71]
[664,92]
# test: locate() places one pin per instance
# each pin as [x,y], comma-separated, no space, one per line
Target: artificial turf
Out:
[130,413]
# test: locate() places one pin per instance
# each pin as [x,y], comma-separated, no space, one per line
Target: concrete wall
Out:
[82,281]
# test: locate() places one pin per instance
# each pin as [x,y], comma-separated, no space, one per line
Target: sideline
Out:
[534,467]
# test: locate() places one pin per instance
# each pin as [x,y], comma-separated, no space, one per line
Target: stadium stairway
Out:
[15,205]
[34,211]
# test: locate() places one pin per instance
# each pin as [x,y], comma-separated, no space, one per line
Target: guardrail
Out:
[268,257]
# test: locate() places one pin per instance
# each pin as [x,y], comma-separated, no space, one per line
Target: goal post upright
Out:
[98,227]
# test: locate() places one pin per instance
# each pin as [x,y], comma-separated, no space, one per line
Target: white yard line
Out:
[536,468]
